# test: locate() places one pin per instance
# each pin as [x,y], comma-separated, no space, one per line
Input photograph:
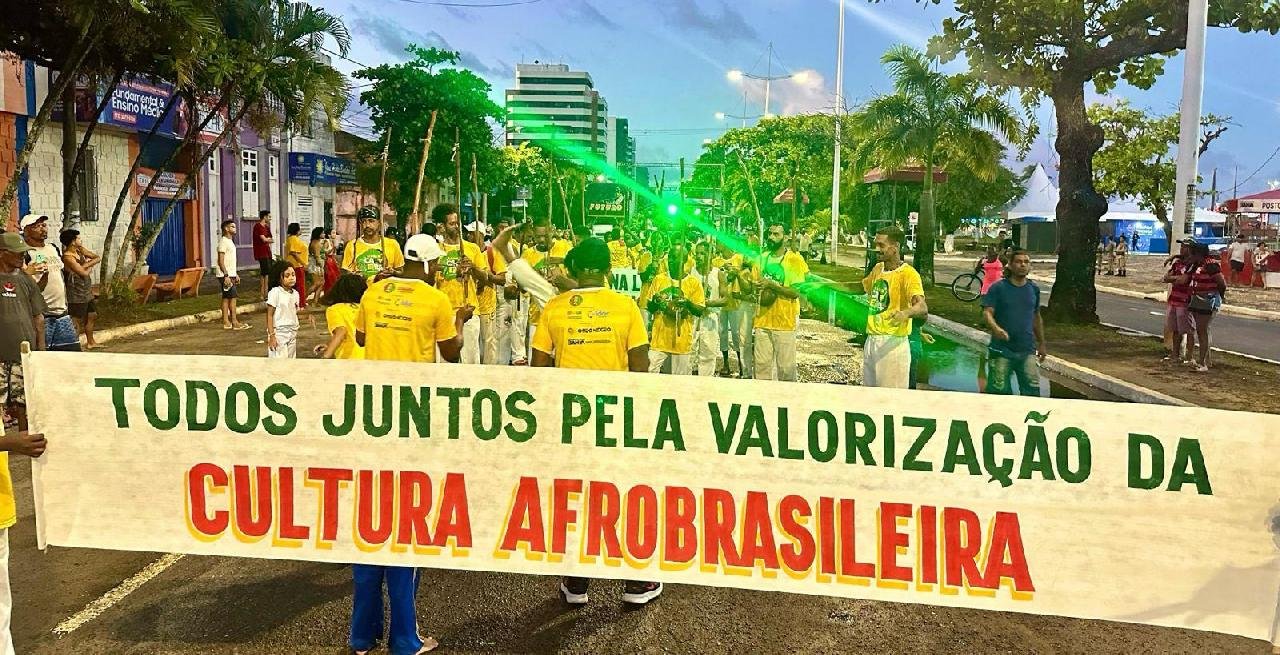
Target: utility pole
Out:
[1184,199]
[835,172]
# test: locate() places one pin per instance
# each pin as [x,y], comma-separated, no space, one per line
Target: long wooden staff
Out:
[422,168]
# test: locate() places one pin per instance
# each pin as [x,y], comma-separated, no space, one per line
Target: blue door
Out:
[170,251]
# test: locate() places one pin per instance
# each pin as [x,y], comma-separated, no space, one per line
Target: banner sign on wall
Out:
[314,169]
[167,187]
[1158,515]
[136,104]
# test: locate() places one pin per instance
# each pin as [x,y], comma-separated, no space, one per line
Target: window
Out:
[86,198]
[249,203]
[213,162]
[273,167]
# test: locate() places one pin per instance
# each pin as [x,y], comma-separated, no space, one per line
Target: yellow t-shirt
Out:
[670,335]
[344,315]
[888,293]
[295,251]
[8,509]
[620,256]
[402,320]
[646,288]
[783,313]
[727,266]
[459,292]
[488,298]
[590,329]
[367,258]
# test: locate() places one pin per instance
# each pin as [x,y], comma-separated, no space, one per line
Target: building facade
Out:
[242,178]
[550,102]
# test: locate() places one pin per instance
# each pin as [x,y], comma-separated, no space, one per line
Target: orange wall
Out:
[8,162]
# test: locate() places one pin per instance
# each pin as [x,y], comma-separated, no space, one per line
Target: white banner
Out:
[625,281]
[1160,515]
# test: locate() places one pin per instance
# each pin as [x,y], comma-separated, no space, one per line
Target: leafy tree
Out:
[1054,49]
[402,98]
[1138,158]
[523,167]
[936,121]
[967,194]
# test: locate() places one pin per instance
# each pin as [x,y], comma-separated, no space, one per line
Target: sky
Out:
[663,64]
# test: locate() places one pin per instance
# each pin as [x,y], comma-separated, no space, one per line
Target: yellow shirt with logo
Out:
[590,329]
[368,259]
[9,509]
[487,302]
[620,255]
[890,292]
[671,335]
[403,320]
[343,315]
[731,267]
[789,270]
[459,291]
[295,251]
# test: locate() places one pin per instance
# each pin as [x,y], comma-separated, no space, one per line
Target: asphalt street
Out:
[98,601]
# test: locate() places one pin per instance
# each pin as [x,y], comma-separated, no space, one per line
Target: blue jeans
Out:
[366,608]
[60,333]
[1001,368]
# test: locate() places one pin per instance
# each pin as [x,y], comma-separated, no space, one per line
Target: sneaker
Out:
[640,593]
[575,595]
[1201,368]
[520,362]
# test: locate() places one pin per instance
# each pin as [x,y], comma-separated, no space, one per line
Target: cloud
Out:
[459,12]
[585,12]
[392,38]
[727,25]
[880,19]
[805,93]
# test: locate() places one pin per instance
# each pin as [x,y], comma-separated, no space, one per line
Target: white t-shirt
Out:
[55,289]
[711,286]
[1238,250]
[284,305]
[226,248]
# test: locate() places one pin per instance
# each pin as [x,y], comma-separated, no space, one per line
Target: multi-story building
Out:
[551,102]
[238,187]
[621,148]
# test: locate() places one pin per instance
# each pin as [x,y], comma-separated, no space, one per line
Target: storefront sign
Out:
[606,200]
[1122,512]
[167,187]
[316,169]
[136,104]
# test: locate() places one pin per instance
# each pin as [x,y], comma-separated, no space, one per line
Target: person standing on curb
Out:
[895,295]
[79,261]
[44,265]
[1011,308]
[1178,324]
[262,241]
[229,275]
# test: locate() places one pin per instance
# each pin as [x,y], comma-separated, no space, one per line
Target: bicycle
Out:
[967,287]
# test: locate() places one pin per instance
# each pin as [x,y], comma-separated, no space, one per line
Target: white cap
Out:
[31,219]
[422,248]
[476,226]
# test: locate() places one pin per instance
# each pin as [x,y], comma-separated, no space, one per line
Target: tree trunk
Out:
[74,61]
[128,183]
[1162,217]
[925,229]
[1074,298]
[70,183]
[68,146]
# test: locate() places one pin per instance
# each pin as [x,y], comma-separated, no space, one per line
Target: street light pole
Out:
[1184,199]
[768,77]
[835,172]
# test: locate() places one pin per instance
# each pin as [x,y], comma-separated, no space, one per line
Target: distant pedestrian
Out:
[1208,287]
[1179,326]
[262,250]
[1122,257]
[1261,254]
[79,262]
[282,313]
[1237,253]
[316,253]
[1133,240]
[229,275]
[44,265]
[296,255]
[1110,252]
[895,295]
[1012,311]
[991,269]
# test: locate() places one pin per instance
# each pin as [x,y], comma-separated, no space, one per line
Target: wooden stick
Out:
[457,166]
[475,201]
[382,185]
[416,223]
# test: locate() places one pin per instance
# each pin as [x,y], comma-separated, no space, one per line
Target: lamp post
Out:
[835,173]
[722,116]
[1184,196]
[768,78]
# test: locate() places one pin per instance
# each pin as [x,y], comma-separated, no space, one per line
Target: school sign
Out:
[1159,515]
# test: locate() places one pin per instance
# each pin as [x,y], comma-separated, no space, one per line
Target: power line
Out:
[1259,169]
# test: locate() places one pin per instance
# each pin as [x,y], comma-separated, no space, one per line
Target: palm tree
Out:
[932,120]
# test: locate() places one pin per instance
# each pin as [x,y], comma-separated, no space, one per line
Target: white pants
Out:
[286,344]
[680,364]
[886,362]
[489,337]
[729,330]
[505,307]
[517,336]
[775,349]
[706,344]
[6,597]
[471,341]
[746,336]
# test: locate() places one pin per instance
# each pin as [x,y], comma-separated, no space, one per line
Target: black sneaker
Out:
[574,590]
[640,593]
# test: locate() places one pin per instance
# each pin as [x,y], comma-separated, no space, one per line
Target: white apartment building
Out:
[549,100]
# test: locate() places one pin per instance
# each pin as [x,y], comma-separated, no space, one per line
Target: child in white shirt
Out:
[282,317]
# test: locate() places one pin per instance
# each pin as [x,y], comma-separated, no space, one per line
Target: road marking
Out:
[1255,358]
[107,600]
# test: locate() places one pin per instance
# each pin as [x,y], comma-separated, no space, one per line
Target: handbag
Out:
[1201,303]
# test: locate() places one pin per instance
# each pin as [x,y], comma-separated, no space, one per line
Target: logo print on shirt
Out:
[878,299]
[575,300]
[10,290]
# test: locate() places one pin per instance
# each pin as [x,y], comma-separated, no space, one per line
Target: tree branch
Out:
[1209,137]
[1123,48]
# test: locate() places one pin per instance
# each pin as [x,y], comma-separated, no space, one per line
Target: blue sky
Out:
[663,63]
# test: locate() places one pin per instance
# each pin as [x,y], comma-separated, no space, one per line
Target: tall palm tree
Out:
[932,120]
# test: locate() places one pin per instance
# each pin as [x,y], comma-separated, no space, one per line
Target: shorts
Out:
[1215,303]
[229,290]
[60,334]
[1237,267]
[12,388]
[82,310]
[1178,319]
[264,267]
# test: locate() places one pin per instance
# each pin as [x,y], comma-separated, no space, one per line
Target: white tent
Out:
[1040,201]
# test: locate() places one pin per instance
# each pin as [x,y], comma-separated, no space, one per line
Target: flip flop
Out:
[244,326]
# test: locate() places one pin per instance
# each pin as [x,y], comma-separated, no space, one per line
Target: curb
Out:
[169,323]
[1231,310]
[1112,385]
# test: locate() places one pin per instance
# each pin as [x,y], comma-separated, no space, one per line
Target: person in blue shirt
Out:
[1012,311]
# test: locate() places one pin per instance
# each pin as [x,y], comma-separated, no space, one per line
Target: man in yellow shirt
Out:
[774,283]
[372,255]
[675,305]
[404,318]
[461,268]
[619,253]
[895,295]
[593,327]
